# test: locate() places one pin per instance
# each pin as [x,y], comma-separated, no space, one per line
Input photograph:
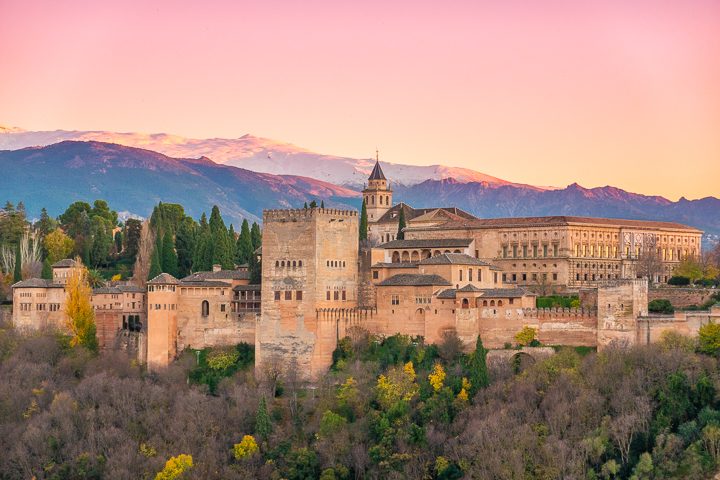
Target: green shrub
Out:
[661,305]
[678,280]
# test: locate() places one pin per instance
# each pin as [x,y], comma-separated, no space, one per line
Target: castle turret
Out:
[162,300]
[377,195]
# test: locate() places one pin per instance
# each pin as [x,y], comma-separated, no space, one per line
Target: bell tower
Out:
[377,195]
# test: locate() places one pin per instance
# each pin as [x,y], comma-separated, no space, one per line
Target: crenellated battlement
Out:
[560,312]
[344,313]
[301,214]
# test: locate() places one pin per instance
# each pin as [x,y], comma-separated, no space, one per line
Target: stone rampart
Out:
[681,297]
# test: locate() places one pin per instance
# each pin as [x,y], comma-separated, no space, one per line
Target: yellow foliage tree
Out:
[397,385]
[175,467]
[437,377]
[79,310]
[463,394]
[58,245]
[525,336]
[246,448]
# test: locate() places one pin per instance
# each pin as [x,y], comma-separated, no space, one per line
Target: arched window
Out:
[294,264]
[282,264]
[396,257]
[465,303]
[205,308]
[484,303]
[277,263]
[299,263]
[405,257]
[492,303]
[372,199]
[499,303]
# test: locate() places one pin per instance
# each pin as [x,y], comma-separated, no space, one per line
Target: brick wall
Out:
[681,297]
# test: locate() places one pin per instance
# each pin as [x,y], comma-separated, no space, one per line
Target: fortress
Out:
[452,273]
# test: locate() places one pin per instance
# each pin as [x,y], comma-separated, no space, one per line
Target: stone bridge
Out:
[534,354]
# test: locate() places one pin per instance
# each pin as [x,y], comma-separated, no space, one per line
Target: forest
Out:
[388,409]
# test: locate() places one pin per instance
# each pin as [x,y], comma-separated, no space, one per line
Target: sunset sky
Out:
[604,92]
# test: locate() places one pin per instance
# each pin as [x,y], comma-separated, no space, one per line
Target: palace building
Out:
[451,274]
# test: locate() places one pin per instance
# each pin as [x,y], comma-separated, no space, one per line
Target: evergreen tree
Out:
[17,274]
[305,206]
[255,270]
[479,377]
[363,222]
[256,236]
[46,269]
[263,426]
[155,266]
[118,241]
[185,245]
[169,257]
[401,224]
[244,248]
[313,204]
[322,203]
[46,224]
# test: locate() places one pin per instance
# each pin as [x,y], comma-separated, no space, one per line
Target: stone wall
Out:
[682,297]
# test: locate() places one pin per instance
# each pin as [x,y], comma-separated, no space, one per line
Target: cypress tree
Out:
[305,206]
[256,236]
[17,274]
[263,427]
[155,266]
[313,204]
[244,248]
[401,224]
[169,257]
[363,222]
[46,269]
[322,203]
[255,270]
[478,367]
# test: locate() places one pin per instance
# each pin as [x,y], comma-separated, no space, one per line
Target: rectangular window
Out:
[554,276]
[222,307]
[524,251]
[336,295]
[495,277]
[477,253]
[395,300]
[515,251]
[514,277]
[545,251]
[288,295]
[327,295]
[375,275]
[298,295]
[344,295]
[535,251]
[461,275]
[555,250]
[524,277]
[469,274]
[277,295]
[504,252]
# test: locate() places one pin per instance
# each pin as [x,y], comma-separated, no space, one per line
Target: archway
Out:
[396,257]
[205,308]
[465,303]
[405,257]
[415,257]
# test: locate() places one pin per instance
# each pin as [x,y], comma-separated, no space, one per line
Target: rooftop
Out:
[244,288]
[427,214]
[505,292]
[218,275]
[454,259]
[37,283]
[428,243]
[377,173]
[164,279]
[203,283]
[414,280]
[64,263]
[395,265]
[447,294]
[469,288]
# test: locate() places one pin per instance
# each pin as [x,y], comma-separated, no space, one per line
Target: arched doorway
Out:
[396,257]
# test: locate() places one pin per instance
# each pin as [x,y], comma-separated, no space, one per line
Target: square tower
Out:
[309,262]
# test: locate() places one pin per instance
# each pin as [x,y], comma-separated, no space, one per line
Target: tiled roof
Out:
[469,288]
[203,283]
[447,294]
[395,265]
[244,288]
[219,275]
[66,263]
[106,290]
[130,289]
[505,292]
[413,280]
[454,259]
[377,173]
[37,283]
[393,214]
[164,279]
[560,220]
[428,243]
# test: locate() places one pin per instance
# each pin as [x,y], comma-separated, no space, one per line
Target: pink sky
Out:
[619,92]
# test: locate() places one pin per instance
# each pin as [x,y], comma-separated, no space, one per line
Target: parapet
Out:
[559,312]
[302,214]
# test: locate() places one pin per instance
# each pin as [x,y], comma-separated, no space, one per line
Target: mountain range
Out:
[135,179]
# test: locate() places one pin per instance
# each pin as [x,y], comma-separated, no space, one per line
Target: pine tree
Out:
[244,248]
[401,224]
[79,309]
[255,270]
[263,426]
[313,204]
[322,203]
[305,206]
[478,367]
[17,274]
[169,257]
[155,265]
[363,222]
[47,269]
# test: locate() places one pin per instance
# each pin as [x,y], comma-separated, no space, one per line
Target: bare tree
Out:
[649,264]
[7,260]
[144,255]
[272,369]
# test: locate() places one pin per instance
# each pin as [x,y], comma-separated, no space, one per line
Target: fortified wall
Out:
[682,297]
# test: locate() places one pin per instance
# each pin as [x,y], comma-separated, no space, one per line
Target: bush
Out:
[526,336]
[678,280]
[661,305]
[709,337]
[557,301]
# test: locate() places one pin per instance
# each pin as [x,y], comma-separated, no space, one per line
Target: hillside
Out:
[135,180]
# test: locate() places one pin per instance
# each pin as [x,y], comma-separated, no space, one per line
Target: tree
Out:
[709,338]
[660,305]
[46,224]
[401,224]
[363,222]
[175,467]
[244,248]
[169,257]
[690,268]
[58,245]
[247,448]
[155,265]
[47,270]
[649,264]
[131,237]
[185,245]
[479,377]
[322,203]
[526,336]
[313,204]
[143,259]
[17,274]
[437,377]
[79,309]
[263,426]
[256,236]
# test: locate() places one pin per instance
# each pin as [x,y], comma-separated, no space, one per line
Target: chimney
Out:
[217,267]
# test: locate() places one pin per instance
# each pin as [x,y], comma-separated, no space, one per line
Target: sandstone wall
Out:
[682,297]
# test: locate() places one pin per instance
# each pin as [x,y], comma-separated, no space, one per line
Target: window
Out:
[336,295]
[222,307]
[461,272]
[205,308]
[535,251]
[288,295]
[555,250]
[395,300]
[344,295]
[495,277]
[277,295]
[514,250]
[504,252]
[327,295]
[545,250]
[375,275]
[525,251]
[298,295]
[554,276]
[470,275]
